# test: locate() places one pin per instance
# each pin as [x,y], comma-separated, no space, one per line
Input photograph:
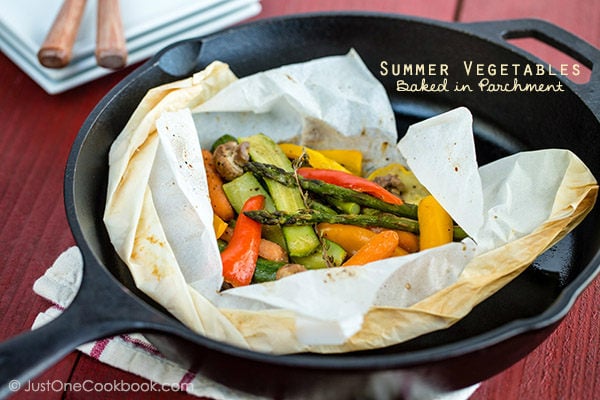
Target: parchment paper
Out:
[160,221]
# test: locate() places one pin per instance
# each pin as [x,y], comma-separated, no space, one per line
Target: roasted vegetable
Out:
[330,254]
[349,181]
[379,247]
[240,256]
[223,139]
[219,226]
[300,240]
[400,181]
[328,190]
[326,217]
[289,269]
[218,199]
[349,159]
[315,158]
[241,189]
[266,270]
[307,217]
[435,224]
[230,158]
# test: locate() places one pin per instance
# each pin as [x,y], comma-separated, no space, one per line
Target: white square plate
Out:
[148,25]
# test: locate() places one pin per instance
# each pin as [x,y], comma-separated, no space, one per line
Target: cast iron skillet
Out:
[492,337]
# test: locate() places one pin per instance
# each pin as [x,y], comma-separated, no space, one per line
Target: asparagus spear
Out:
[308,216]
[320,187]
[300,240]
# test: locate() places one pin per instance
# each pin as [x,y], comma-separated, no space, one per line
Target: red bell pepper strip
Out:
[240,255]
[349,181]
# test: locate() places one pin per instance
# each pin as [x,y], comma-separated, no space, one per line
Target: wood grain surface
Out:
[36,132]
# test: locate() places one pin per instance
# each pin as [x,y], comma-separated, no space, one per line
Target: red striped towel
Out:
[132,352]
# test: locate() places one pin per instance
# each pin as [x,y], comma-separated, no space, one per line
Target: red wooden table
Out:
[36,131]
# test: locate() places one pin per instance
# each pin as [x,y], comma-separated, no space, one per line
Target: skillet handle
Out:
[571,45]
[100,309]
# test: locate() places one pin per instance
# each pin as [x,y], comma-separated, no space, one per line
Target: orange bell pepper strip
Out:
[380,246]
[352,237]
[350,181]
[240,255]
[408,241]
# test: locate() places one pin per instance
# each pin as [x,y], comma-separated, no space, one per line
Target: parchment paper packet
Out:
[159,217]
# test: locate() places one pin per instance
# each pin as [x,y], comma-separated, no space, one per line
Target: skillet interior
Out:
[503,123]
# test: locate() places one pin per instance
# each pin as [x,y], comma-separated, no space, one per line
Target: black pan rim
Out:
[552,315]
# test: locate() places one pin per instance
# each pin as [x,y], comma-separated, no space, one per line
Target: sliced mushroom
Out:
[289,269]
[242,156]
[272,251]
[392,183]
[229,159]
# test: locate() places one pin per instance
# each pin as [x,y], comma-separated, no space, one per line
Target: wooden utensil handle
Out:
[111,50]
[56,50]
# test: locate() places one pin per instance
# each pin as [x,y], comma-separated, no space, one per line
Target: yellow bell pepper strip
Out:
[316,159]
[349,181]
[240,255]
[219,226]
[380,246]
[435,224]
[349,159]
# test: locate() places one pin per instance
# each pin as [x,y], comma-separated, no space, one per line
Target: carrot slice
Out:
[220,204]
[380,246]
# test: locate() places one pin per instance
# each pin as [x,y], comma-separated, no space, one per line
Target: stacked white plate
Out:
[148,25]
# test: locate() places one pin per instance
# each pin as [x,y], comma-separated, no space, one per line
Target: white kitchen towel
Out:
[132,352]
